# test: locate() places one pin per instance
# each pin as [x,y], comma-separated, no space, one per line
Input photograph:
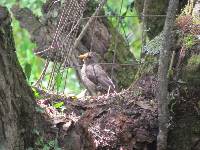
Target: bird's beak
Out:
[82,57]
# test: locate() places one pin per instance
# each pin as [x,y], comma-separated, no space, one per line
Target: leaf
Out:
[35,131]
[36,93]
[51,143]
[46,147]
[57,145]
[73,97]
[58,105]
[39,109]
[28,69]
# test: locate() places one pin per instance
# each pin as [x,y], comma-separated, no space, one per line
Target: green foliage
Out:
[7,3]
[189,40]
[128,24]
[66,81]
[36,94]
[34,5]
[148,67]
[191,71]
[39,109]
[72,81]
[31,64]
[58,105]
[43,144]
[194,61]
[47,145]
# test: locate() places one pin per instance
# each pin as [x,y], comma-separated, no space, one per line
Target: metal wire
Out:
[98,16]
[116,40]
[63,41]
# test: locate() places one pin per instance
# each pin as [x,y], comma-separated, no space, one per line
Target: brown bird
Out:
[93,75]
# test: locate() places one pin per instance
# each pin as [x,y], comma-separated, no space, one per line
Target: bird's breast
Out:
[83,71]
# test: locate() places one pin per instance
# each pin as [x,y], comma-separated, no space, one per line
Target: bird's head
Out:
[90,57]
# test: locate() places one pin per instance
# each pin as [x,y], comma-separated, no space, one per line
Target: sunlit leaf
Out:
[58,105]
[36,93]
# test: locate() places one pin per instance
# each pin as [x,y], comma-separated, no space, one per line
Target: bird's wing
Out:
[97,75]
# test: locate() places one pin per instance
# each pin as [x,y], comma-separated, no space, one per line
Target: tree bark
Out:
[16,98]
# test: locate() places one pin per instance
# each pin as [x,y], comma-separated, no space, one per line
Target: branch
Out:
[162,96]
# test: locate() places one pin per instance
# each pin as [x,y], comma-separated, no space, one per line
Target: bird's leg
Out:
[115,92]
[108,92]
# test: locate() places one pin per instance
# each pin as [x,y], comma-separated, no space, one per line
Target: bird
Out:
[93,76]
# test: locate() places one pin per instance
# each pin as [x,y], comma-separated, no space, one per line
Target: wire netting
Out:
[67,37]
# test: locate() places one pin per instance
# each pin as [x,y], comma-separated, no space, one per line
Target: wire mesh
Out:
[65,39]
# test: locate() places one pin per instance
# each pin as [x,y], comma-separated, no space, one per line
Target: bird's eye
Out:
[89,57]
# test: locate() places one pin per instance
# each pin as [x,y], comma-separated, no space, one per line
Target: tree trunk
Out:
[16,98]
